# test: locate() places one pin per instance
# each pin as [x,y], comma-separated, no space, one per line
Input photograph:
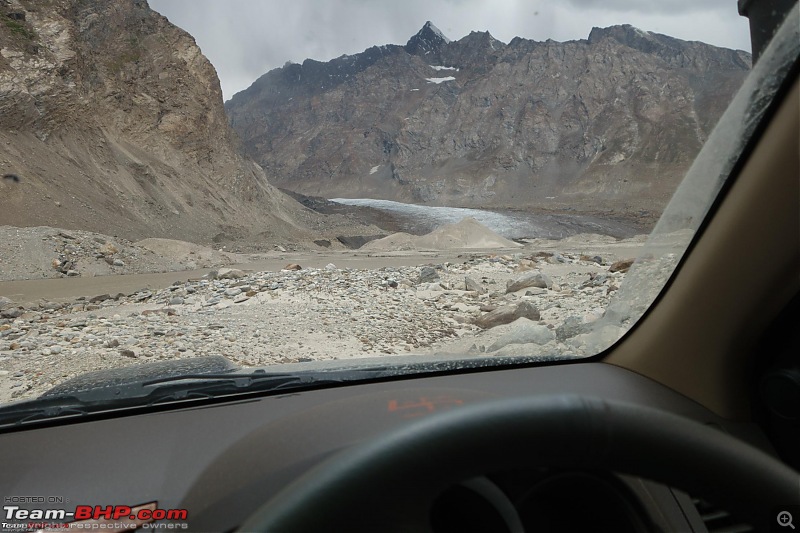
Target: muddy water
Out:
[59,289]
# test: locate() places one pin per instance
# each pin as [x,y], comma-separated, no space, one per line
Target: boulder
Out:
[529,279]
[473,286]
[507,314]
[571,327]
[523,331]
[12,312]
[428,275]
[621,266]
[229,273]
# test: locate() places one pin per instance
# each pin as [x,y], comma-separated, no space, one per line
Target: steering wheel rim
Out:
[382,478]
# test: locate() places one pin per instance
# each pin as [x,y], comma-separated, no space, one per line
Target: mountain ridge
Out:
[113,121]
[582,121]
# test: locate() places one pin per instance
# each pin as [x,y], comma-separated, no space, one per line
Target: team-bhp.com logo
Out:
[95,517]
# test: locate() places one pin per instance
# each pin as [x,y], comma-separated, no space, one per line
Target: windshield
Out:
[259,186]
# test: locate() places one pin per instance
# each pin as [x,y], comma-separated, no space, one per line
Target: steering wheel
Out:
[381,485]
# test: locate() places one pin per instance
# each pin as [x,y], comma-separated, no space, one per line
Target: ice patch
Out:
[497,222]
[440,80]
[511,225]
[439,67]
[374,169]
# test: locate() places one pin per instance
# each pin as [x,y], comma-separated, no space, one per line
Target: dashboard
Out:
[221,462]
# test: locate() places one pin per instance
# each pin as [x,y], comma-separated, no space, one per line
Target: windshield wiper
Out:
[170,389]
[214,385]
[238,380]
[246,380]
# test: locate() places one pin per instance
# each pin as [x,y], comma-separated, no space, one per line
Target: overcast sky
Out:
[246,38]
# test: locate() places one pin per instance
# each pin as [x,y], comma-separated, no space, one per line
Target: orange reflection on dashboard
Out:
[422,405]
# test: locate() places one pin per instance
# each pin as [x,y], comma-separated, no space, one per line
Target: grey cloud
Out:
[657,6]
[246,38]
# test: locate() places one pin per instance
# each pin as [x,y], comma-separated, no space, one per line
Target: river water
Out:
[510,224]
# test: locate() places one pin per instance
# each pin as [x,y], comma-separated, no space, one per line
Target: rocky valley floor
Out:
[535,300]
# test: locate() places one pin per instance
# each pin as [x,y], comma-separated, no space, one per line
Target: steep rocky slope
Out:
[607,123]
[111,120]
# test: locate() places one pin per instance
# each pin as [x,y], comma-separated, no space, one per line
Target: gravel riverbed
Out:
[262,318]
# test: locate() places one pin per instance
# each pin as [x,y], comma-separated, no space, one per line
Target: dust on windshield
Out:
[452,196]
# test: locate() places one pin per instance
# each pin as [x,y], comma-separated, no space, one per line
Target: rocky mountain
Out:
[111,120]
[610,123]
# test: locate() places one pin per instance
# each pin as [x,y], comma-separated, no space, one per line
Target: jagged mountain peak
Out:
[481,39]
[428,40]
[431,27]
[674,51]
[628,35]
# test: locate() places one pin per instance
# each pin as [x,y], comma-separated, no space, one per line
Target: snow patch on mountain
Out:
[440,80]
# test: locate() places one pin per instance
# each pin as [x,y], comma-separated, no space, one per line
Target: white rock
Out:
[230,273]
[523,331]
[462,307]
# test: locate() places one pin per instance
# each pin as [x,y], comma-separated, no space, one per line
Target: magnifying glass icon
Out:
[785,519]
